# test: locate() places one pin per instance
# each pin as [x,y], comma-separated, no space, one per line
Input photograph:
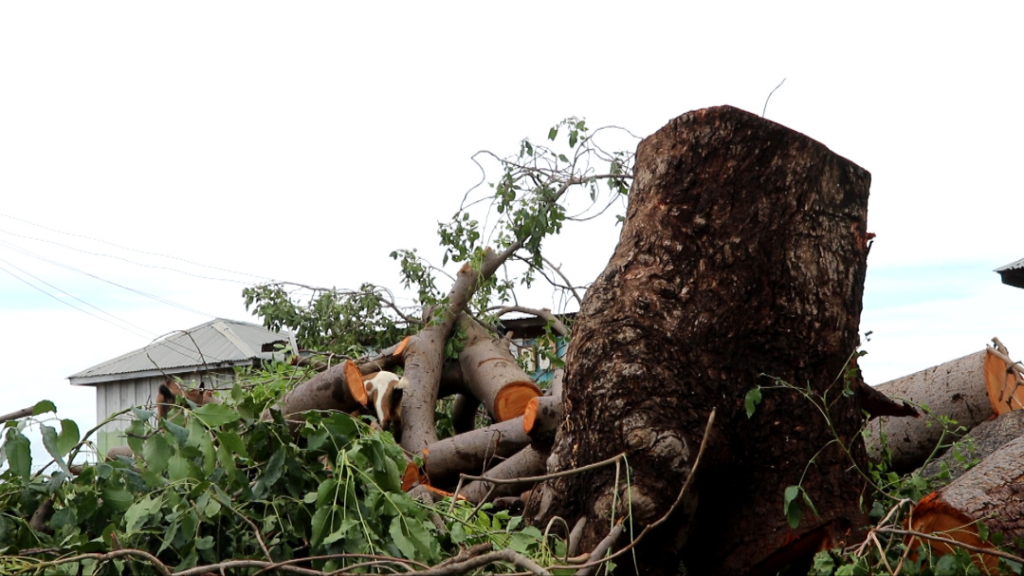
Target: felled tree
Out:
[527,203]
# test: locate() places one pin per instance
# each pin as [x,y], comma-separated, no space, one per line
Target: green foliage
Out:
[330,320]
[886,549]
[527,203]
[217,482]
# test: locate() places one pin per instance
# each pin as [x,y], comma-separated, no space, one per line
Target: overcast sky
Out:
[186,150]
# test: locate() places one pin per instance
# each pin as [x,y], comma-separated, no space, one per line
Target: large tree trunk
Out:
[742,259]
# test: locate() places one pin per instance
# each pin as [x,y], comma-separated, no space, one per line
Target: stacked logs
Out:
[486,374]
[983,493]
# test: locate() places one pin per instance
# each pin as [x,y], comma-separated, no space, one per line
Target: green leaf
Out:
[232,441]
[399,537]
[50,443]
[271,474]
[204,543]
[824,564]
[209,455]
[227,460]
[752,400]
[18,450]
[946,566]
[553,133]
[42,407]
[156,451]
[118,498]
[982,532]
[792,506]
[68,437]
[180,468]
[137,513]
[216,414]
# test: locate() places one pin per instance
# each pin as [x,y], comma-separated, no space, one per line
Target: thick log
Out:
[542,418]
[424,353]
[492,374]
[985,439]
[473,452]
[743,254]
[991,493]
[338,388]
[960,389]
[525,463]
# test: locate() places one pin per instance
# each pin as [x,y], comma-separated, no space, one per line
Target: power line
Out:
[149,335]
[74,235]
[111,282]
[116,257]
[125,325]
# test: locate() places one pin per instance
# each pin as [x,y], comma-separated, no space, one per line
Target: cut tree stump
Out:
[743,254]
[992,492]
[962,389]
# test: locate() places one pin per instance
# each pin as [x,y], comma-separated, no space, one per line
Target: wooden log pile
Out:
[486,376]
[980,480]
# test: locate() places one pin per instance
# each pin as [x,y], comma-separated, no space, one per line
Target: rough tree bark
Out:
[743,254]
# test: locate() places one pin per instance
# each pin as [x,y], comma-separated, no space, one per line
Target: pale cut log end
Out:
[932,515]
[354,378]
[511,400]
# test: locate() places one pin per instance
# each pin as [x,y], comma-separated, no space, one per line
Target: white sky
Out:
[305,141]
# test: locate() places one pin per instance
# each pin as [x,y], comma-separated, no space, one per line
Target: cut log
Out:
[991,493]
[525,463]
[492,374]
[978,444]
[424,354]
[338,388]
[743,253]
[542,418]
[473,452]
[960,389]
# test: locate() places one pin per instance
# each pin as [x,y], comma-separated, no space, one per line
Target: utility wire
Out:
[125,325]
[62,301]
[135,329]
[136,250]
[116,257]
[111,282]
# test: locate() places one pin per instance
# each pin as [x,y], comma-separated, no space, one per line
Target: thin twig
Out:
[951,542]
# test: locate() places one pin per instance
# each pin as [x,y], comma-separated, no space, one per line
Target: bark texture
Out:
[743,254]
[959,389]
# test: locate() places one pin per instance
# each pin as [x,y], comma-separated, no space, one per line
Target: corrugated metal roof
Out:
[1018,265]
[1013,273]
[218,343]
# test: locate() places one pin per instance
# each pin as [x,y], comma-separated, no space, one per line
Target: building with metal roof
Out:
[206,355]
[1013,273]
